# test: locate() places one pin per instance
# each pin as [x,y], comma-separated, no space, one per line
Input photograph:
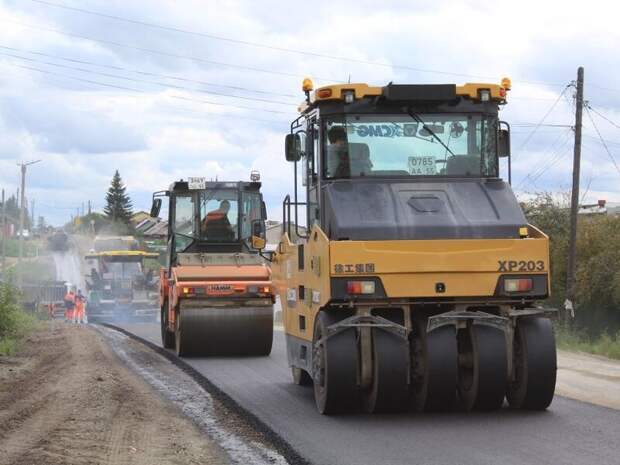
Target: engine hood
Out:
[375,209]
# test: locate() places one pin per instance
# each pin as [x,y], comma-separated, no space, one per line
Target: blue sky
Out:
[88,94]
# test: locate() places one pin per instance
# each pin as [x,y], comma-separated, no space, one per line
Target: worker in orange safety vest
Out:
[69,300]
[217,225]
[80,308]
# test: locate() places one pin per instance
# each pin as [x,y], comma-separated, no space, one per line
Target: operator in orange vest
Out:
[80,306]
[217,225]
[69,300]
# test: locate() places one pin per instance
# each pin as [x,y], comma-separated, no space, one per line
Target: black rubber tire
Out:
[483,367]
[434,373]
[390,388]
[335,362]
[534,364]
[301,377]
[167,336]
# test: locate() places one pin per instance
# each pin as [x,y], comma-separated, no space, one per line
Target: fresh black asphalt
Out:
[570,432]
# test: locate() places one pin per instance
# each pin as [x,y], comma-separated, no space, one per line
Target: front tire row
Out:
[449,370]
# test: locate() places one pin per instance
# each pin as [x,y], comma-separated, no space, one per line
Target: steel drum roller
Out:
[224,331]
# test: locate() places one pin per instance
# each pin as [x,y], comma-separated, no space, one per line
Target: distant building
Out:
[139,217]
[599,208]
[613,208]
[274,233]
[157,231]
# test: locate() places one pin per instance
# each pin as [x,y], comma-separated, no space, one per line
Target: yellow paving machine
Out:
[120,286]
[417,282]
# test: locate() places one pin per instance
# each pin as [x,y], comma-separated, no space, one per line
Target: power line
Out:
[147,73]
[114,86]
[166,54]
[555,152]
[529,125]
[609,142]
[208,102]
[540,123]
[611,157]
[585,192]
[551,150]
[271,47]
[550,165]
[604,117]
[267,46]
[143,81]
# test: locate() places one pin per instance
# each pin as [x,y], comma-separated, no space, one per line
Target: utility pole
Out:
[89,208]
[3,236]
[32,225]
[574,203]
[22,211]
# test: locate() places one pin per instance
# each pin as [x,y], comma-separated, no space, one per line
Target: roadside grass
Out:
[15,324]
[606,345]
[34,270]
[39,269]
[31,247]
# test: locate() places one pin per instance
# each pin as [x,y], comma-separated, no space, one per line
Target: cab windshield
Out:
[215,215]
[219,213]
[458,145]
[120,270]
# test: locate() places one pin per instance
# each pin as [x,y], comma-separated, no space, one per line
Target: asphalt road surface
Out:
[570,432]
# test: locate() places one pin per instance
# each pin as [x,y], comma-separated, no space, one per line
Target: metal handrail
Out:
[286,216]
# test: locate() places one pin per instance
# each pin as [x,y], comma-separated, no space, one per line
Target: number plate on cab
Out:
[422,166]
[220,289]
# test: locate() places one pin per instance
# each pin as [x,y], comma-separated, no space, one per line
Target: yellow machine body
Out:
[408,270]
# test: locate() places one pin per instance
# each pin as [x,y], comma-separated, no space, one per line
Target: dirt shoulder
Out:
[68,399]
[589,378]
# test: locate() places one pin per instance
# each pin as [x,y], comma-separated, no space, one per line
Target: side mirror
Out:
[155,208]
[258,228]
[503,143]
[258,243]
[292,147]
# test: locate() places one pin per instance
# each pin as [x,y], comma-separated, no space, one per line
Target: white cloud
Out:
[83,131]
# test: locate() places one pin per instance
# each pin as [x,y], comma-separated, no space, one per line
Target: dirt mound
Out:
[69,400]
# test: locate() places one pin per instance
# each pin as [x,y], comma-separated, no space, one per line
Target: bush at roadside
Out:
[15,324]
[606,345]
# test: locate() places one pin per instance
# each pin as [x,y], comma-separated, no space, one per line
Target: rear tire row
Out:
[469,366]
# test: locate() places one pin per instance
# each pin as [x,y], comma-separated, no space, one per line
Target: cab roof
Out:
[122,253]
[405,93]
[210,185]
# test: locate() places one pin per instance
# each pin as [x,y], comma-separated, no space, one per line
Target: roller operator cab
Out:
[417,279]
[216,294]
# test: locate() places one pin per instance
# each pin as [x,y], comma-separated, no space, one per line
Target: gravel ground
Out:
[68,399]
[589,378]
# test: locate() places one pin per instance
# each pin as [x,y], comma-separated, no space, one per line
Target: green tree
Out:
[598,256]
[551,216]
[118,204]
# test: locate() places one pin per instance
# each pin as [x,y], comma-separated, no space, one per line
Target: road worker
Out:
[80,308]
[50,311]
[69,300]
